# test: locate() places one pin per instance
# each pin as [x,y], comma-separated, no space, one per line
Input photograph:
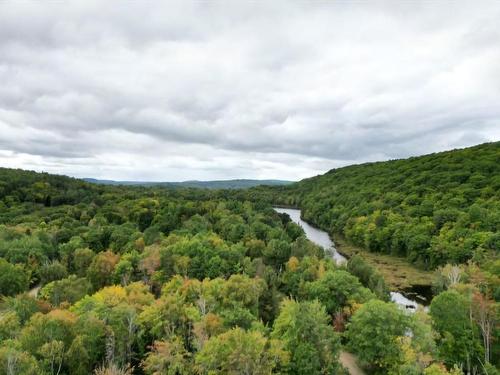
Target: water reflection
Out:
[316,235]
[322,238]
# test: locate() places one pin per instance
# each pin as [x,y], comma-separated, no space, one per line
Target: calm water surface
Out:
[316,235]
[322,238]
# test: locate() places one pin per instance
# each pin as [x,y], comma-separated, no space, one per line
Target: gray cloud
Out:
[183,90]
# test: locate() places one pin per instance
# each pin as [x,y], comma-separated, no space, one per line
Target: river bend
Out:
[322,238]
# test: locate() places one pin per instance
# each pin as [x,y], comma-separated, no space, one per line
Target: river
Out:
[322,238]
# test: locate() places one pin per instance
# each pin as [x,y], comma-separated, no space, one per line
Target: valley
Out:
[148,279]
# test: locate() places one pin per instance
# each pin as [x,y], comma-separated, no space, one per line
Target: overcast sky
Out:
[171,91]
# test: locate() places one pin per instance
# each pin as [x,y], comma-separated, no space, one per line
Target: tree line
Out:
[137,280]
[434,209]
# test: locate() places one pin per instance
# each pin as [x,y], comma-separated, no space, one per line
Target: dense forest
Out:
[98,279]
[434,209]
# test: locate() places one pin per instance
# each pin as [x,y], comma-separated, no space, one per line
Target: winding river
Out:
[322,238]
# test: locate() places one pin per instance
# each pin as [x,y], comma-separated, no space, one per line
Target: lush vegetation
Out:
[434,209]
[149,280]
[157,281]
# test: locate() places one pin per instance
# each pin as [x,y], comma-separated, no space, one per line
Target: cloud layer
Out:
[214,90]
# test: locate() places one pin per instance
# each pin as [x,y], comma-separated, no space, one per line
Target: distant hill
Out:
[217,184]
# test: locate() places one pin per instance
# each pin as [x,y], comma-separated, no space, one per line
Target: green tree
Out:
[373,333]
[241,352]
[23,305]
[70,289]
[13,278]
[78,359]
[336,290]
[56,326]
[277,252]
[458,343]
[168,358]
[368,276]
[16,361]
[438,369]
[52,271]
[9,325]
[100,272]
[52,354]
[304,329]
[82,259]
[123,272]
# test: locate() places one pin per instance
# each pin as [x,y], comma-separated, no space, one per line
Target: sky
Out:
[173,91]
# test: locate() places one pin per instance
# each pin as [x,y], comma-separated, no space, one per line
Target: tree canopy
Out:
[154,280]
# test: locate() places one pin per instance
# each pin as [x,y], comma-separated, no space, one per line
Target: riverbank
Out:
[399,274]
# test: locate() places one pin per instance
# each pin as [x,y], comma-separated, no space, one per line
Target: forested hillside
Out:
[215,184]
[434,209]
[148,280]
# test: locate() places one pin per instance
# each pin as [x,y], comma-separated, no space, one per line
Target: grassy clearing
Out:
[398,272]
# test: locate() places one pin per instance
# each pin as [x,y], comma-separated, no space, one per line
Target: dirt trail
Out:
[34,291]
[348,360]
